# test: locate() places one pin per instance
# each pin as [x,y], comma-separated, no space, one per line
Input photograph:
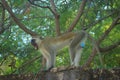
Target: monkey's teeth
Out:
[35,48]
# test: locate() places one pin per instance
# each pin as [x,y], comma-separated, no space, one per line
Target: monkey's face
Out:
[35,42]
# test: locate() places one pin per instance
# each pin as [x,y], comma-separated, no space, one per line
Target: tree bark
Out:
[72,74]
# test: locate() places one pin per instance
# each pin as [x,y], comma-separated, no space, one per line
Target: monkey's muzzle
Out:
[34,44]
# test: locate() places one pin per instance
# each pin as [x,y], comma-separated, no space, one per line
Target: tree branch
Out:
[109,48]
[27,63]
[32,2]
[2,26]
[91,57]
[22,26]
[2,20]
[57,16]
[108,30]
[80,12]
[97,21]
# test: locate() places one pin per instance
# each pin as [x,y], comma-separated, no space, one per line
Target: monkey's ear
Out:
[41,37]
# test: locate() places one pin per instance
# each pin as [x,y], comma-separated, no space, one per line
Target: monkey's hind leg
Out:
[78,57]
[53,59]
[72,55]
[73,47]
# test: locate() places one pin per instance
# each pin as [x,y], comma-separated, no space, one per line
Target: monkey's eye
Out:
[33,41]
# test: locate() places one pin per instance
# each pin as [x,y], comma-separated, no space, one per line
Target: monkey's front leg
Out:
[53,59]
[78,57]
[47,57]
[48,64]
[43,63]
[72,54]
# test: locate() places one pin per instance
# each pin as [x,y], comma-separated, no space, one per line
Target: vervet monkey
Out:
[50,45]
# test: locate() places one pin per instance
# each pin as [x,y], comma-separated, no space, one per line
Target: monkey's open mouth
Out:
[34,44]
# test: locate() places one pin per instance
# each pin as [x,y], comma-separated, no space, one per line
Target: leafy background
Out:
[18,56]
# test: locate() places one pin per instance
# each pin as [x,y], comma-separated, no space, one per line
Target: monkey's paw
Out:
[58,69]
[53,70]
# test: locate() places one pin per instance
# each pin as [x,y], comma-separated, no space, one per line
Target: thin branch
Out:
[27,8]
[98,21]
[2,29]
[22,26]
[3,17]
[80,12]
[32,2]
[108,30]
[109,48]
[27,63]
[2,26]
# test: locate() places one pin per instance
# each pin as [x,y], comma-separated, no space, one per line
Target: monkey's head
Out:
[35,41]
